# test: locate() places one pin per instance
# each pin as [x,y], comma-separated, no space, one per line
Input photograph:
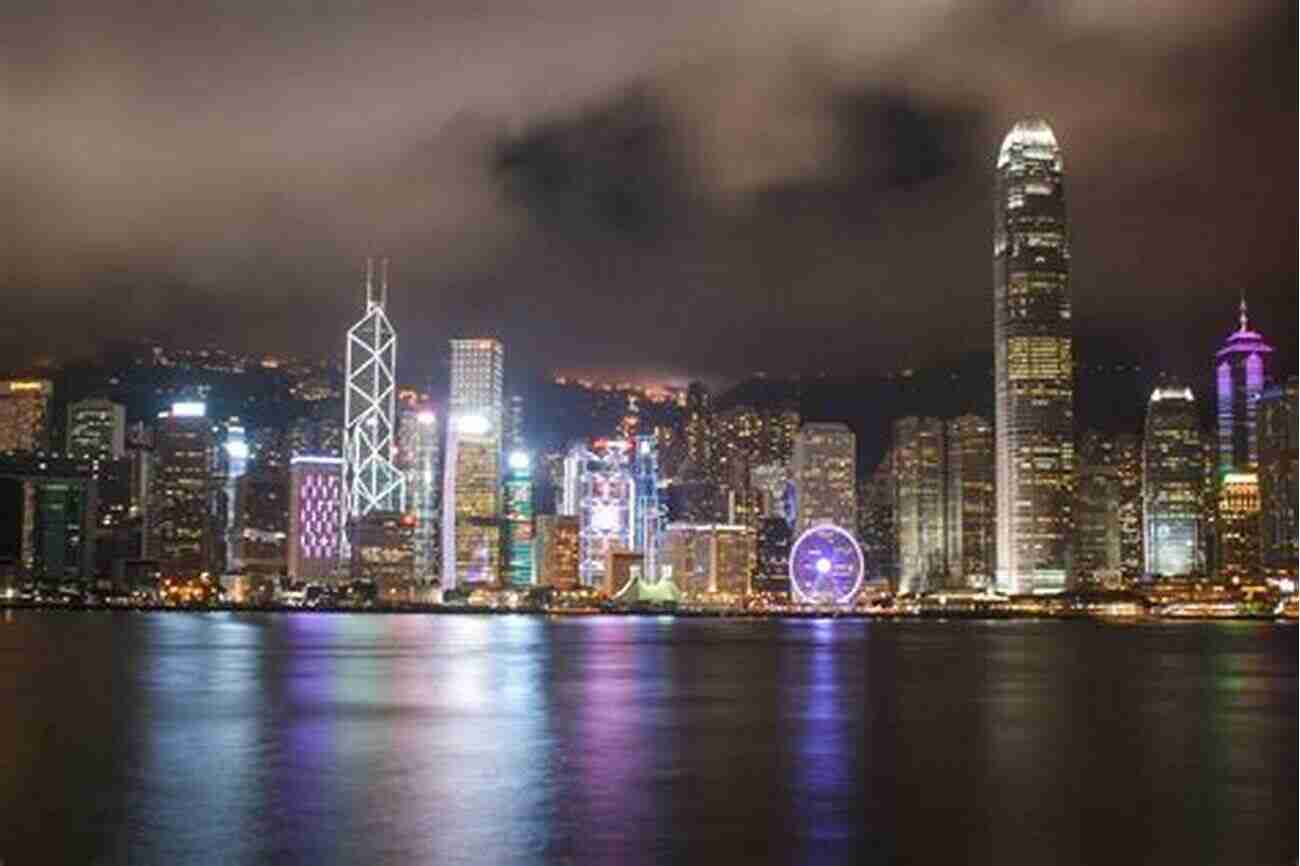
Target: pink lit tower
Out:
[1240,374]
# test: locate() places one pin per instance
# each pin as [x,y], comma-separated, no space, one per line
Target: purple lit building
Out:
[315,506]
[1240,373]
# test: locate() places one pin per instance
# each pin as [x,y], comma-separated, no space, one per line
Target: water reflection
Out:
[172,738]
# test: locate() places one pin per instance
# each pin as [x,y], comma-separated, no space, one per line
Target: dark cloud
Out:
[682,187]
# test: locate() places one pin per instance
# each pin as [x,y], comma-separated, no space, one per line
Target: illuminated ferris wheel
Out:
[826,566]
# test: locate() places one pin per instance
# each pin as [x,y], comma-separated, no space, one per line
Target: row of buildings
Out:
[381,484]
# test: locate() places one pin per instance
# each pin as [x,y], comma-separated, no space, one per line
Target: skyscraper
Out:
[1238,527]
[477,382]
[607,517]
[1097,549]
[371,481]
[919,491]
[1172,476]
[471,506]
[1278,479]
[557,551]
[1240,374]
[970,502]
[24,414]
[877,533]
[824,476]
[471,503]
[418,458]
[1034,362]
[182,488]
[518,521]
[97,428]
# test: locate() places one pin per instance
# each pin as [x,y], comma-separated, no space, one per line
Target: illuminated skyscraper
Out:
[471,504]
[97,427]
[471,507]
[1240,374]
[1172,477]
[1034,363]
[607,515]
[182,488]
[1278,478]
[24,414]
[970,502]
[700,435]
[919,492]
[557,551]
[315,507]
[645,534]
[477,380]
[1238,542]
[823,467]
[371,481]
[710,559]
[518,521]
[1097,548]
[877,533]
[418,458]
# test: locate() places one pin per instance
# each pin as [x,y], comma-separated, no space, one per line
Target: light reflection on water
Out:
[317,738]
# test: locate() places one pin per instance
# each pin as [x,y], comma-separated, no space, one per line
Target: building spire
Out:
[1242,312]
[370,279]
[383,282]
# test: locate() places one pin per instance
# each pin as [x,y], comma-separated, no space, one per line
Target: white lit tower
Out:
[1034,361]
[371,481]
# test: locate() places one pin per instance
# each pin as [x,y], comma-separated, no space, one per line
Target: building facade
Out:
[1240,374]
[96,428]
[1034,363]
[315,508]
[1278,479]
[518,521]
[824,466]
[418,455]
[471,505]
[709,559]
[1172,482]
[48,507]
[557,551]
[970,507]
[919,503]
[1238,530]
[472,476]
[607,517]
[182,519]
[25,414]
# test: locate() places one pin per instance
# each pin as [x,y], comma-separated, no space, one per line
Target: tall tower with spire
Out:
[1034,363]
[1240,374]
[371,481]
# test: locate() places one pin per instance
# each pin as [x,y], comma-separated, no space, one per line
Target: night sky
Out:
[639,189]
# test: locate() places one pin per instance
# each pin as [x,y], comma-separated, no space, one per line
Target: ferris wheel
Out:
[826,566]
